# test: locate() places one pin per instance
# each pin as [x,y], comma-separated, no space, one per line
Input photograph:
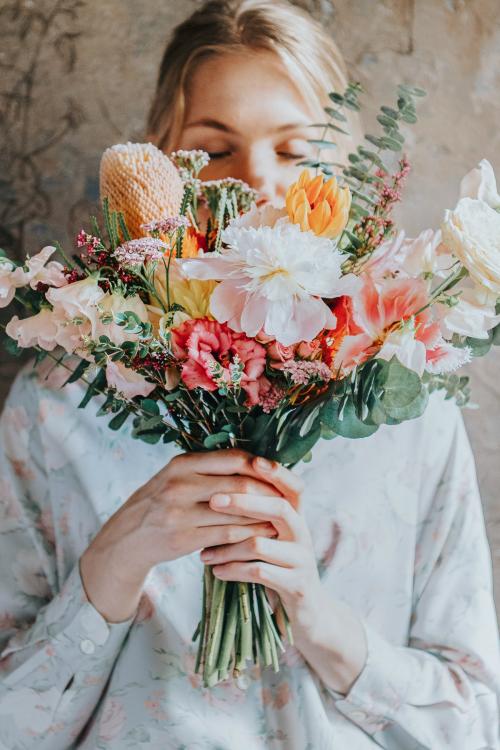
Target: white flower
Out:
[472,232]
[11,278]
[474,315]
[273,278]
[480,183]
[37,330]
[408,350]
[78,299]
[426,254]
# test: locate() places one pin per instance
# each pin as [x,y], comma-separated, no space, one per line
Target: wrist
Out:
[116,600]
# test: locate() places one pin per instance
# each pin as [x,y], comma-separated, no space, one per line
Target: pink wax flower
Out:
[203,345]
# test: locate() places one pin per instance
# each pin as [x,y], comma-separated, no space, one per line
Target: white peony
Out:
[472,233]
[481,183]
[273,279]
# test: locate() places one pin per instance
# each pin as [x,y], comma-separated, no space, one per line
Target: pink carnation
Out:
[204,344]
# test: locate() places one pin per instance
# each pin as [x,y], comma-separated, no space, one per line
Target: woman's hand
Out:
[286,564]
[166,518]
[328,634]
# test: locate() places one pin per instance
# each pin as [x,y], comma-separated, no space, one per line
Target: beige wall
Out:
[95,69]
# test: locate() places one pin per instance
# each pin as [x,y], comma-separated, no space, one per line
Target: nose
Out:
[258,173]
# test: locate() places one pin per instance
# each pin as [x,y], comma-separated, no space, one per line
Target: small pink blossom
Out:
[168,225]
[302,372]
[137,252]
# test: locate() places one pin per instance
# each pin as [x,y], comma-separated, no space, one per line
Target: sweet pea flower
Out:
[37,330]
[274,278]
[38,271]
[126,381]
[77,300]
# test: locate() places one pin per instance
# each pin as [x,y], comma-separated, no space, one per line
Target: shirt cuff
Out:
[73,630]
[381,687]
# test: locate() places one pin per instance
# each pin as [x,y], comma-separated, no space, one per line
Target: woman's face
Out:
[244,110]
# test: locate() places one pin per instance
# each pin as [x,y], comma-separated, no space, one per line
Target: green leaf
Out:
[390,143]
[78,372]
[119,420]
[322,144]
[94,388]
[397,385]
[150,406]
[331,126]
[345,423]
[480,347]
[213,441]
[11,346]
[335,114]
[387,122]
[296,447]
[337,98]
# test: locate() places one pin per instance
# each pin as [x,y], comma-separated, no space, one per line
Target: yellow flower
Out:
[141,182]
[192,294]
[318,205]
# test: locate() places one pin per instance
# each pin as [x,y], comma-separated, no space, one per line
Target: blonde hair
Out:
[309,54]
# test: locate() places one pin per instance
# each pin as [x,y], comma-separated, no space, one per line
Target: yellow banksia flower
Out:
[318,205]
[141,182]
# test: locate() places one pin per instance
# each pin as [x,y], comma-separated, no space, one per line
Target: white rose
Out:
[480,183]
[472,233]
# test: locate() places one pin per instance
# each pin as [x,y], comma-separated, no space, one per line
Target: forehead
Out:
[245,90]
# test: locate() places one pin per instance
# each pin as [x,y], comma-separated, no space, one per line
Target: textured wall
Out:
[77,76]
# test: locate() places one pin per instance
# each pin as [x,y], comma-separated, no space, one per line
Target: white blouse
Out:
[398,533]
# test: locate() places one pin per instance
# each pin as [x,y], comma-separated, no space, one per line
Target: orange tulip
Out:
[141,182]
[318,205]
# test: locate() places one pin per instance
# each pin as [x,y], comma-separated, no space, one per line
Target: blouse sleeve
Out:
[443,689]
[56,649]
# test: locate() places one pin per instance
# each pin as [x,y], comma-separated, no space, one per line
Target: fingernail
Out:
[206,555]
[264,464]
[220,500]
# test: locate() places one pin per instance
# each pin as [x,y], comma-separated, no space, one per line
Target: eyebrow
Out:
[216,125]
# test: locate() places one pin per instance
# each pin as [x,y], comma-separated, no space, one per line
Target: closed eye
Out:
[219,154]
[288,155]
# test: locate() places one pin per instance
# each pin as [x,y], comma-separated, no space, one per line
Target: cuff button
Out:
[87,647]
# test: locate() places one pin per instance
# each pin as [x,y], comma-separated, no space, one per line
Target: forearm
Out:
[331,638]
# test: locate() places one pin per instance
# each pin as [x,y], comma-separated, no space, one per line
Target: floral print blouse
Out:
[399,535]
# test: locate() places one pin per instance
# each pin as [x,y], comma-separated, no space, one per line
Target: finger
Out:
[288,483]
[210,536]
[286,554]
[282,580]
[287,522]
[203,515]
[199,489]
[219,462]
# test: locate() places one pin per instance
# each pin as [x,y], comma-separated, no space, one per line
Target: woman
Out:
[377,548]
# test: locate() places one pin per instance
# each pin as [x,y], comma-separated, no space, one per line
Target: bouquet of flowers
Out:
[213,323]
